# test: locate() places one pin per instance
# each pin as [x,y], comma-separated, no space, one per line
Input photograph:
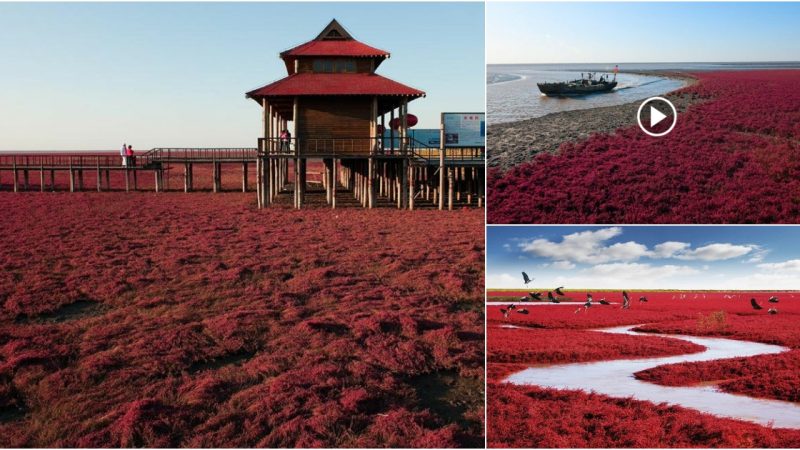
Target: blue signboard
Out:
[424,137]
[464,129]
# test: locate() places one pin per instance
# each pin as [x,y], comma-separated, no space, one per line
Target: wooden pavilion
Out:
[339,108]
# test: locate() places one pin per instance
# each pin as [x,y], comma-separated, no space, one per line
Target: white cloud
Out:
[792,265]
[561,265]
[589,247]
[669,248]
[715,252]
[639,270]
[586,247]
[503,281]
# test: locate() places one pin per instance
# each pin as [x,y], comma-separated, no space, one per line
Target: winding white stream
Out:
[615,378]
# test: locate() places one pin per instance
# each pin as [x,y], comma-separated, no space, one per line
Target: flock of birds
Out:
[626,301]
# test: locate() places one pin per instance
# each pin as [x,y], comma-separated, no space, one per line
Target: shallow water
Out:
[512,93]
[615,379]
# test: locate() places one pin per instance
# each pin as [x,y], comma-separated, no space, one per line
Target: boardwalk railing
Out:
[177,154]
[359,147]
[56,161]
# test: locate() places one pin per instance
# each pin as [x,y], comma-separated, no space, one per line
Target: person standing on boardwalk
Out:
[131,158]
[286,137]
[124,154]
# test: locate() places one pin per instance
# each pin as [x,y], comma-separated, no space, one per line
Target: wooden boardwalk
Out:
[463,174]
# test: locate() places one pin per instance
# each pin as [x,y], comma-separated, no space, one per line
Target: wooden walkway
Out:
[422,179]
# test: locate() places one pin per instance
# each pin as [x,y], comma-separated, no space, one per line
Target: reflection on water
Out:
[615,379]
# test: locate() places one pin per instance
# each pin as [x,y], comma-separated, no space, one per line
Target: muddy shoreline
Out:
[513,143]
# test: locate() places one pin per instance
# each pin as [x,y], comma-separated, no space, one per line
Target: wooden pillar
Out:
[108,179]
[411,182]
[99,176]
[450,188]
[158,183]
[127,180]
[297,183]
[186,177]
[16,177]
[334,170]
[258,182]
[52,180]
[370,183]
[41,178]
[441,167]
[71,179]
[135,180]
[26,179]
[244,177]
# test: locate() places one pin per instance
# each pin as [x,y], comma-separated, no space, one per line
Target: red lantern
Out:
[411,120]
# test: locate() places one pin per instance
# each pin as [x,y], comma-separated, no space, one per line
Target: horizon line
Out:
[649,62]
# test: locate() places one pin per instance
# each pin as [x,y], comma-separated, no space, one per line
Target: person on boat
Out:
[124,154]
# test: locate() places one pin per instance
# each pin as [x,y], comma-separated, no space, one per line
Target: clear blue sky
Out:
[90,76]
[604,32]
[662,257]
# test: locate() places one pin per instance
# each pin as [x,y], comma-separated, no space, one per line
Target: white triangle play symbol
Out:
[655,117]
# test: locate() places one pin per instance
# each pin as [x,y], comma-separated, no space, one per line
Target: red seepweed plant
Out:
[731,159]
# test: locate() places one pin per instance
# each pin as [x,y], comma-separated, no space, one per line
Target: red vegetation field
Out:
[164,320]
[528,416]
[732,158]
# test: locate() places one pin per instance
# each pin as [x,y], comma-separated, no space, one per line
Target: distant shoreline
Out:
[514,143]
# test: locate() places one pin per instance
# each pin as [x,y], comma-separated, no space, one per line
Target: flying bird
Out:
[773,311]
[586,305]
[526,278]
[559,291]
[643,299]
[588,296]
[551,298]
[536,296]
[755,304]
[522,299]
[773,299]
[626,302]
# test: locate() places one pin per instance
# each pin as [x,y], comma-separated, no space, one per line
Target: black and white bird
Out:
[559,291]
[526,278]
[772,311]
[626,301]
[603,301]
[586,305]
[643,299]
[773,299]
[537,296]
[755,304]
[522,311]
[551,298]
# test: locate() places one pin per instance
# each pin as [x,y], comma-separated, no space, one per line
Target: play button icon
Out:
[656,115]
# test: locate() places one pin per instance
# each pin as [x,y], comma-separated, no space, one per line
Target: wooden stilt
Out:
[16,177]
[71,179]
[26,179]
[334,174]
[135,180]
[41,178]
[52,180]
[127,180]
[157,181]
[244,177]
[411,188]
[450,182]
[108,179]
[99,176]
[370,182]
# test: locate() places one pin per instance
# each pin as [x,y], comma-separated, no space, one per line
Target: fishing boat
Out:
[582,86]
